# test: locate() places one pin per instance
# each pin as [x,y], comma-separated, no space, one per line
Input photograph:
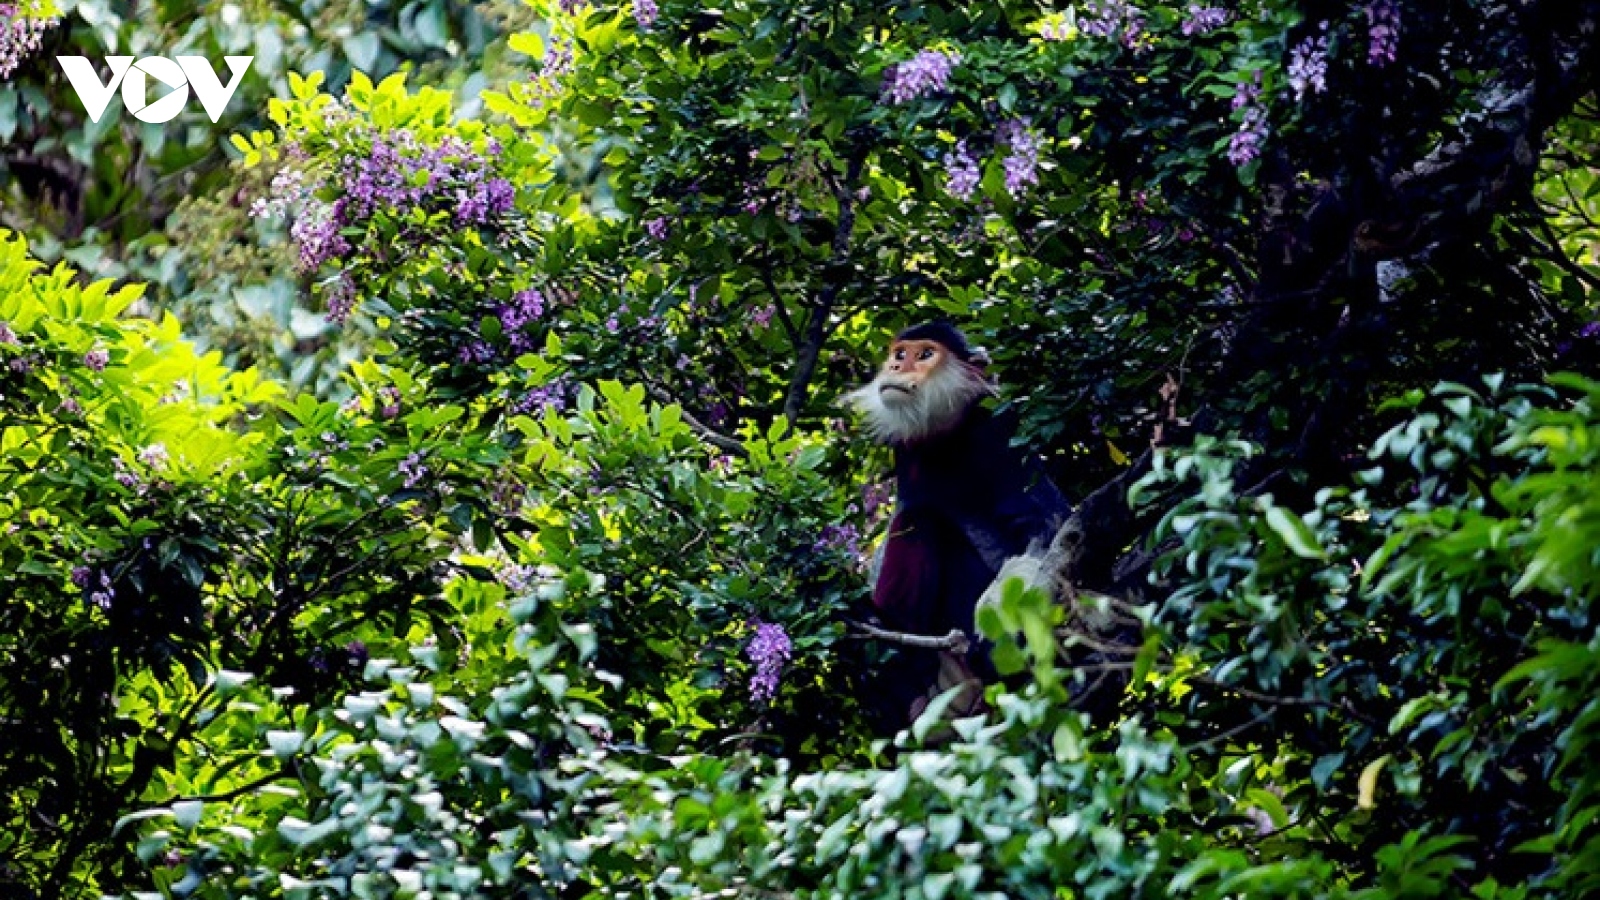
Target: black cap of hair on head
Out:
[940,332]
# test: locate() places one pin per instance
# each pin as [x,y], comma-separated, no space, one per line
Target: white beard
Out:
[904,417]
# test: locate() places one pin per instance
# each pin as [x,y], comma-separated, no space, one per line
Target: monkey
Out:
[966,502]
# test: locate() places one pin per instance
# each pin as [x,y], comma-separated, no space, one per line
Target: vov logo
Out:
[188,72]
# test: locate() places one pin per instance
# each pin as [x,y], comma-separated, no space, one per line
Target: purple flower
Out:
[102,598]
[1308,66]
[478,204]
[1055,29]
[1022,163]
[388,402]
[645,12]
[7,336]
[657,228]
[844,538]
[341,297]
[926,73]
[770,649]
[474,352]
[1591,330]
[1204,19]
[96,360]
[154,456]
[1383,32]
[874,497]
[763,316]
[962,172]
[22,31]
[124,476]
[412,470]
[1245,145]
[548,396]
[518,579]
[525,308]
[80,576]
[316,232]
[1113,20]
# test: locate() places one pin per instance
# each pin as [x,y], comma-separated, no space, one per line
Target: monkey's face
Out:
[909,368]
[923,389]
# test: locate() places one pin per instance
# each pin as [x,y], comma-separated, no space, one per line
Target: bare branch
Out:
[955,641]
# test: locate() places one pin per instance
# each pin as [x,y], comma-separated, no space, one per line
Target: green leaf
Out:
[1296,535]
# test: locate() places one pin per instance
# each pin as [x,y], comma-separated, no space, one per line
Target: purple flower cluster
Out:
[288,191]
[646,12]
[125,476]
[397,174]
[763,316]
[658,228]
[524,309]
[548,396]
[22,30]
[926,73]
[475,352]
[412,470]
[316,233]
[844,538]
[7,336]
[962,172]
[1022,163]
[1383,32]
[155,456]
[394,173]
[96,360]
[1055,29]
[1113,20]
[1204,19]
[1308,66]
[519,580]
[875,496]
[341,297]
[102,594]
[1245,145]
[553,68]
[770,650]
[477,203]
[388,401]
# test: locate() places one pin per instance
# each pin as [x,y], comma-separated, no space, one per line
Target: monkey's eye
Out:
[927,353]
[900,354]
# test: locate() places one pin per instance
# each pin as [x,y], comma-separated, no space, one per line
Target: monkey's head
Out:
[927,383]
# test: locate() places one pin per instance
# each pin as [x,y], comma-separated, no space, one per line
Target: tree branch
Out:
[956,641]
[816,328]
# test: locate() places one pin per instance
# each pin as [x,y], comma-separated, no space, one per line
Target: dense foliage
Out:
[536,576]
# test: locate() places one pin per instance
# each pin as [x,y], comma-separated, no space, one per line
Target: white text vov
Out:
[187,72]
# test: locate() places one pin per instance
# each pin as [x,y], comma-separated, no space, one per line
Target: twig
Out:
[1231,732]
[956,641]
[704,431]
[242,789]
